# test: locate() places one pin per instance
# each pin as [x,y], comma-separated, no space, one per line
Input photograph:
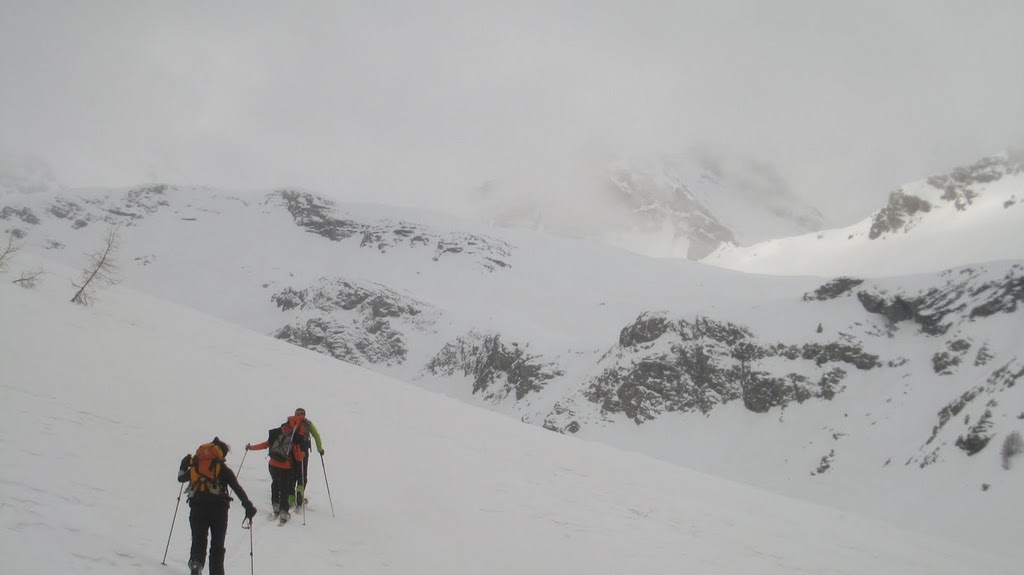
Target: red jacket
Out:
[297,454]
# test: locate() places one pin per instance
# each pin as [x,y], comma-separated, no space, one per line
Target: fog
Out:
[416,102]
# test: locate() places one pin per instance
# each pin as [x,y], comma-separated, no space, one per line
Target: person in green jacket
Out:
[302,471]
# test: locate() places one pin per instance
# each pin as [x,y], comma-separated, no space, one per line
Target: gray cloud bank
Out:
[412,102]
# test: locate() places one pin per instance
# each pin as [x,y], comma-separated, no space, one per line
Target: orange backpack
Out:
[204,476]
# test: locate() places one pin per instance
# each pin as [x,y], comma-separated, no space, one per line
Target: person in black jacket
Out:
[208,500]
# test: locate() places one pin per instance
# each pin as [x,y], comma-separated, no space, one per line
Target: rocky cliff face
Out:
[497,370]
[709,363]
[360,324]
[959,189]
[322,217]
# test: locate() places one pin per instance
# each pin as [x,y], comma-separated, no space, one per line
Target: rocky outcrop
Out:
[978,436]
[709,363]
[833,289]
[369,342]
[897,213]
[982,399]
[24,214]
[963,297]
[559,413]
[355,323]
[666,200]
[318,216]
[497,370]
[958,186]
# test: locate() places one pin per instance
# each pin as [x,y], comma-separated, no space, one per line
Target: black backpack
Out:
[281,443]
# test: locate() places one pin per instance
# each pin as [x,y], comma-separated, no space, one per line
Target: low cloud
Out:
[414,103]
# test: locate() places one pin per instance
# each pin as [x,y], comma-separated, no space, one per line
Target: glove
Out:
[250,510]
[247,447]
[186,462]
[321,452]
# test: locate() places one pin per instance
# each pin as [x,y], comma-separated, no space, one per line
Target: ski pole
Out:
[328,483]
[239,472]
[252,565]
[180,491]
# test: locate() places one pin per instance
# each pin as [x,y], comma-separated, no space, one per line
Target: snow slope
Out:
[403,291]
[972,215]
[100,403]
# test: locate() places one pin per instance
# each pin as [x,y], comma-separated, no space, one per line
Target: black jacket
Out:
[226,477]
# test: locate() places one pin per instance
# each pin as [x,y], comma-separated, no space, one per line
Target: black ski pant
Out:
[212,518]
[282,484]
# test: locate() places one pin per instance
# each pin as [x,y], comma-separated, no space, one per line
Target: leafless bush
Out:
[101,271]
[8,252]
[1012,445]
[30,279]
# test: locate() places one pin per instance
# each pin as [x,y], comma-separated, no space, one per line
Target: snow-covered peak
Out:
[972,214]
[681,205]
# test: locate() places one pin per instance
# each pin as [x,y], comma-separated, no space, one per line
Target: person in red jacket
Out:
[286,457]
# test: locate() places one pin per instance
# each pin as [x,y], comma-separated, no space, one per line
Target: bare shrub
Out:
[101,271]
[30,279]
[1012,445]
[8,252]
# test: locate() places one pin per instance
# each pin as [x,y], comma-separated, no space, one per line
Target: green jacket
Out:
[315,434]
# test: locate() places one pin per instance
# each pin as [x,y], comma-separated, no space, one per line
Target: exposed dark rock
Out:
[830,383]
[837,352]
[833,289]
[1001,297]
[952,410]
[895,215]
[316,215]
[825,464]
[65,209]
[711,363]
[371,341]
[983,356]
[648,327]
[353,322]
[560,412]
[24,214]
[977,436]
[489,361]
[896,310]
[958,185]
[1006,376]
[936,309]
[943,363]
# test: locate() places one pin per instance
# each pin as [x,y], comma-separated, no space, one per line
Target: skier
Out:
[208,501]
[286,458]
[307,430]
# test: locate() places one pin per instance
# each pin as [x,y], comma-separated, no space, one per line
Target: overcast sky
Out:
[403,100]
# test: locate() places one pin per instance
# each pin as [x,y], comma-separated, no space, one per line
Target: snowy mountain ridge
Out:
[809,386]
[972,214]
[684,205]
